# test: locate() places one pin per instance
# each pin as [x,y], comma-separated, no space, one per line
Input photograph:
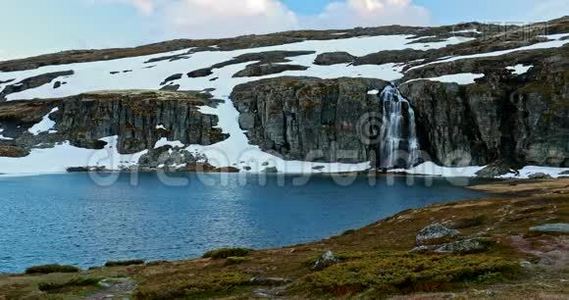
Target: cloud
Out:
[219,18]
[353,13]
[222,18]
[144,6]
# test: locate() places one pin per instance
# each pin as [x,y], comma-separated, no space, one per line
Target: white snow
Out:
[555,41]
[460,78]
[526,171]
[165,142]
[160,126]
[45,125]
[64,155]
[234,151]
[519,69]
[432,169]
[373,92]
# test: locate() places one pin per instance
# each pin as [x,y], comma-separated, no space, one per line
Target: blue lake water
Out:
[69,219]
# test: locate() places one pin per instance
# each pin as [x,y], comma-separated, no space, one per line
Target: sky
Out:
[31,27]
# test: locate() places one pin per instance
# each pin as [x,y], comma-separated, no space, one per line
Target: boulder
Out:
[333,58]
[539,175]
[256,70]
[464,246]
[325,260]
[200,73]
[435,233]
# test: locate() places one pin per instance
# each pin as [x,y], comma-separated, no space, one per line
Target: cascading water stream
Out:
[399,146]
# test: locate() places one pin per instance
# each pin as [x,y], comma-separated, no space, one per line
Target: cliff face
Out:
[516,121]
[138,118]
[310,119]
[521,119]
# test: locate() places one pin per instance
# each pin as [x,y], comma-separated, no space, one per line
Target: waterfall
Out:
[398,145]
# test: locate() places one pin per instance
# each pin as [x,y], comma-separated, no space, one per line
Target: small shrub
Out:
[227,252]
[54,268]
[51,287]
[124,263]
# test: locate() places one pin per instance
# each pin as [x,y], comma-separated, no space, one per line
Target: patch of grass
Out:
[227,252]
[53,268]
[405,273]
[52,287]
[469,222]
[204,285]
[235,260]
[124,263]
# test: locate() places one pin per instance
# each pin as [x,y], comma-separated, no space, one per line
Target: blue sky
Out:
[32,27]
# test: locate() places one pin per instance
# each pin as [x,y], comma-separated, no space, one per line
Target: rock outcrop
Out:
[519,119]
[311,119]
[138,118]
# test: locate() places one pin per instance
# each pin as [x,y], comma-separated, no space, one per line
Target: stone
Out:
[464,246]
[256,70]
[333,58]
[200,73]
[539,175]
[171,78]
[434,233]
[325,260]
[551,228]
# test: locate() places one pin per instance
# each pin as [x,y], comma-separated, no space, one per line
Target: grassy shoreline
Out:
[372,262]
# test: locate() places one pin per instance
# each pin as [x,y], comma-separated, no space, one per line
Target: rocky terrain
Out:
[479,94]
[513,244]
[302,118]
[139,119]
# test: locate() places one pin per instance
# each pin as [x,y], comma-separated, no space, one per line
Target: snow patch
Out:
[165,142]
[64,155]
[45,125]
[373,92]
[519,69]
[460,78]
[432,169]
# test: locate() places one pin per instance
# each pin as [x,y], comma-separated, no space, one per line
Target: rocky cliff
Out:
[311,119]
[138,118]
[519,119]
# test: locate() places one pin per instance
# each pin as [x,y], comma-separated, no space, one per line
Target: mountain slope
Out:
[445,65]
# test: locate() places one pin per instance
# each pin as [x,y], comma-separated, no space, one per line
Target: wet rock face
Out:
[311,119]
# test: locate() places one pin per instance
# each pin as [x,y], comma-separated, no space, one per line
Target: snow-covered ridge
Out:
[135,73]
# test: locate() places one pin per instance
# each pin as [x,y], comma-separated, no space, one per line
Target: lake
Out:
[69,219]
